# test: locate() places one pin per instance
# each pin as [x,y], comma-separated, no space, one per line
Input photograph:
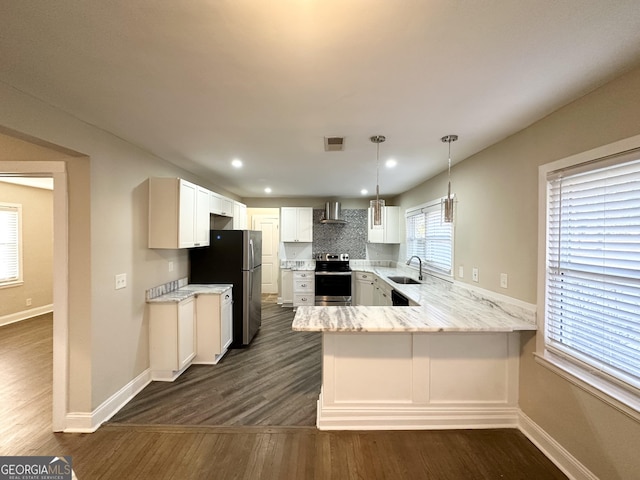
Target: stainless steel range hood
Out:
[332,213]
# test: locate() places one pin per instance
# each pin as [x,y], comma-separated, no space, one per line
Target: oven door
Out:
[333,288]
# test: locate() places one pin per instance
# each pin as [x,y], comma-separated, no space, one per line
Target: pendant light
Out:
[377,205]
[448,202]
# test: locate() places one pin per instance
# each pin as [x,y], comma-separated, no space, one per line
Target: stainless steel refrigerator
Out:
[234,256]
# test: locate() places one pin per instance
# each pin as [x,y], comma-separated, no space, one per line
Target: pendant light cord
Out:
[378,172]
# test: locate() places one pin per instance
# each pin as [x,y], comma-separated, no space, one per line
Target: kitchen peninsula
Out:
[450,362]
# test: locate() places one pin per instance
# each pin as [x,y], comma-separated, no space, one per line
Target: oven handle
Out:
[333,273]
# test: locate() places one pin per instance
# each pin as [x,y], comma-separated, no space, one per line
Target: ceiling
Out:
[200,83]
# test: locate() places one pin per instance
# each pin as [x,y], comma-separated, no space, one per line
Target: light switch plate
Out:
[474,274]
[121,281]
[504,280]
[461,271]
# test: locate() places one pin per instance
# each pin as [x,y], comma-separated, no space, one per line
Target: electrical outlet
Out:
[28,302]
[171,266]
[474,274]
[461,271]
[504,280]
[121,281]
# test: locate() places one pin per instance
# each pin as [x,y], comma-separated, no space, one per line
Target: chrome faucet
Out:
[419,260]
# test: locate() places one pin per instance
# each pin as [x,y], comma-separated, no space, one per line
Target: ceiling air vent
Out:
[333,144]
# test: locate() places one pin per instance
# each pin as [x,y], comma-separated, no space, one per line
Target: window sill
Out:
[433,272]
[17,283]
[618,397]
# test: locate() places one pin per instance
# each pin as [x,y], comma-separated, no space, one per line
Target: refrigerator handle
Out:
[252,258]
[252,262]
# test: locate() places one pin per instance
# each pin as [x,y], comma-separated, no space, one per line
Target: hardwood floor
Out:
[133,451]
[26,354]
[274,381]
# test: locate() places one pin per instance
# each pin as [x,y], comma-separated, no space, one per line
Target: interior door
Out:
[268,225]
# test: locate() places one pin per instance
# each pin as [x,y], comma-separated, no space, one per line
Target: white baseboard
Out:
[395,417]
[25,314]
[83,422]
[555,452]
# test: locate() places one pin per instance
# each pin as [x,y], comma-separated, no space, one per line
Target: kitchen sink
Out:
[403,280]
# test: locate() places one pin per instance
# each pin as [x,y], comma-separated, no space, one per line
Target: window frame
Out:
[427,266]
[19,280]
[624,397]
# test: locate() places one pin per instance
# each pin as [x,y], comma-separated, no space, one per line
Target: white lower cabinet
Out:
[303,288]
[364,288]
[214,322]
[286,286]
[172,338]
[381,293]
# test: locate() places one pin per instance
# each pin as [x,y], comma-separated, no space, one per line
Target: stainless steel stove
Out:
[333,279]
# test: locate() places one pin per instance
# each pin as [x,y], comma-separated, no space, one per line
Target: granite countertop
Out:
[442,307]
[191,290]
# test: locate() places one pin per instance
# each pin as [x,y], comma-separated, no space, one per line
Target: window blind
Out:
[593,268]
[429,237]
[9,243]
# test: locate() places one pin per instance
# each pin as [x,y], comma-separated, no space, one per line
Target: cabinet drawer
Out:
[365,276]
[300,299]
[304,275]
[302,286]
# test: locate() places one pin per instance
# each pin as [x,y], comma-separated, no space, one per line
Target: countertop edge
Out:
[191,290]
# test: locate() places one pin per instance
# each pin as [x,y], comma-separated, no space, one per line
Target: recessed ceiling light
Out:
[364,191]
[236,162]
[391,163]
[267,190]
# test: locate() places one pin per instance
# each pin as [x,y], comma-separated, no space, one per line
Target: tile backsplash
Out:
[166,288]
[350,237]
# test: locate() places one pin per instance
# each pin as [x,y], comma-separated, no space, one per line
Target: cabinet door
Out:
[287,286]
[186,333]
[392,225]
[226,321]
[214,203]
[375,233]
[288,227]
[202,218]
[305,224]
[187,212]
[389,231]
[226,207]
[239,216]
[364,289]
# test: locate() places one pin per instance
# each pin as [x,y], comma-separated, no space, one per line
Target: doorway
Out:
[56,170]
[268,224]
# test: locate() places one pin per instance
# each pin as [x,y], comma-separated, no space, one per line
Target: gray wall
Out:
[496,230]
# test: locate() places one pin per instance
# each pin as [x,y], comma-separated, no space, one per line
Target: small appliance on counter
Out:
[234,256]
[332,279]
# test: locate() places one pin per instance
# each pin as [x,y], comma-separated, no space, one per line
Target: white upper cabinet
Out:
[389,231]
[239,216]
[178,214]
[202,217]
[296,224]
[220,205]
